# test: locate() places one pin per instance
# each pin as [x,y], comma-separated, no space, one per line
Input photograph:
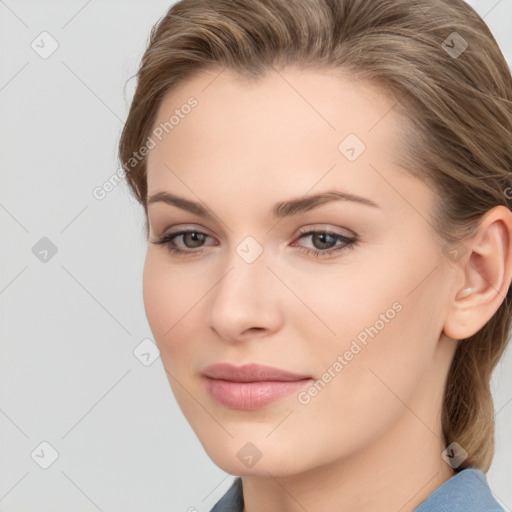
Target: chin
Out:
[262,468]
[241,457]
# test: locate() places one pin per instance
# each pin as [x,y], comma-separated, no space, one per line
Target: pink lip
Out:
[251,386]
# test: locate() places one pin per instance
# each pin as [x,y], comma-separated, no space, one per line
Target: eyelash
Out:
[349,243]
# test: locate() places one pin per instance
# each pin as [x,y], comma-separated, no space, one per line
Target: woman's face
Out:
[356,312]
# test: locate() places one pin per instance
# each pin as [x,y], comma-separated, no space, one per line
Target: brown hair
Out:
[458,104]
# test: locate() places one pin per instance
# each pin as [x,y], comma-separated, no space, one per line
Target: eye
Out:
[326,241]
[193,237]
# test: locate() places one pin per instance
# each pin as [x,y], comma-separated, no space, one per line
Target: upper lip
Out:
[250,373]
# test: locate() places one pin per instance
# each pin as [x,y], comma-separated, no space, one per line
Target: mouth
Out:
[251,386]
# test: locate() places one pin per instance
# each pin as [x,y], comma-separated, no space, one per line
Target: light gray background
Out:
[69,376]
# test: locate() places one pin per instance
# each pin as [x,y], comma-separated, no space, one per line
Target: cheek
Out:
[361,385]
[385,331]
[169,300]
[171,304]
[337,303]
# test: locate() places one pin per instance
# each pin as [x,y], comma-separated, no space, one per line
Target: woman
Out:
[327,195]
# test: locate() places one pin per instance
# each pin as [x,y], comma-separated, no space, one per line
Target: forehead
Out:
[291,128]
[327,101]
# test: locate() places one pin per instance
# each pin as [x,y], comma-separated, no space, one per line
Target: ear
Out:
[486,275]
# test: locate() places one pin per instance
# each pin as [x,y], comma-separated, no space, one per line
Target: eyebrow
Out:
[279,210]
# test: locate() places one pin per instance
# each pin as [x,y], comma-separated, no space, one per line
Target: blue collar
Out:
[466,491]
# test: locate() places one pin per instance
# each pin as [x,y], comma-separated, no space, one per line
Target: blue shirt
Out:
[466,491]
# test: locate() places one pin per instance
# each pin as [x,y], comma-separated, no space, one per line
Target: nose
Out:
[246,301]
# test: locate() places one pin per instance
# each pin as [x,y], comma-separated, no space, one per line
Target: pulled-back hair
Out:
[457,100]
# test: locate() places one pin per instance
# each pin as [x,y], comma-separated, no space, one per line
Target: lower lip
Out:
[252,395]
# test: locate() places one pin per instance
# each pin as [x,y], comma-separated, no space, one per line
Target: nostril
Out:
[255,329]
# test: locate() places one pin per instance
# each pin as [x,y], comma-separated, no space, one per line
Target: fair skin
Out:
[371,439]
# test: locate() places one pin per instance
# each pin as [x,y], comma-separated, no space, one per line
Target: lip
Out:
[251,386]
[250,373]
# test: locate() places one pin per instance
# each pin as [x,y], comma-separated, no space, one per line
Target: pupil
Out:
[322,237]
[196,237]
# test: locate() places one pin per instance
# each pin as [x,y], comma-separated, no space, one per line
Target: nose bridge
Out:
[245,276]
[243,298]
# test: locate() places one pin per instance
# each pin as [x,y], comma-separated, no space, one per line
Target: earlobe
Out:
[487,275]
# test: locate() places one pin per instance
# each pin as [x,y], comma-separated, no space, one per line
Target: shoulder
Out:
[232,500]
[467,491]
